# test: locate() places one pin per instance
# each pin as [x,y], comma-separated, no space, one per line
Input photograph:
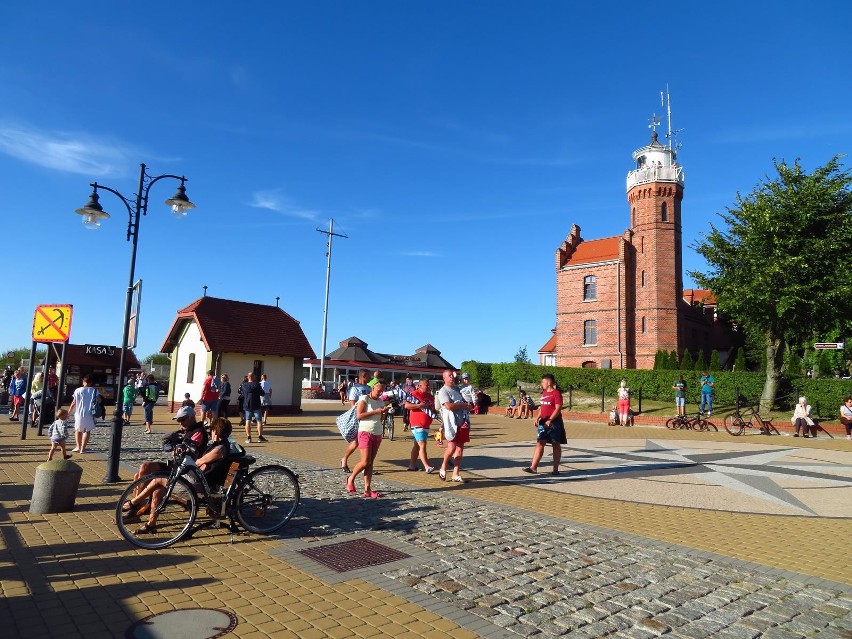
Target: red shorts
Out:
[368,441]
[17,401]
[462,437]
[623,405]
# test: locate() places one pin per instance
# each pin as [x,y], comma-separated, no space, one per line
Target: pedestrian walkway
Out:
[500,556]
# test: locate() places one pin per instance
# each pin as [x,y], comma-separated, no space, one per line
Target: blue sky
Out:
[455,143]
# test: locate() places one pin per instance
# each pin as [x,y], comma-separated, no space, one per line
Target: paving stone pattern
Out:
[545,577]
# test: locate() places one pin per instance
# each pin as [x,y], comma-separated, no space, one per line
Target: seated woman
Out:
[802,418]
[213,462]
[523,410]
[846,416]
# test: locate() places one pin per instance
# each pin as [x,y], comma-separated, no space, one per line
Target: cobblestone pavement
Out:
[541,576]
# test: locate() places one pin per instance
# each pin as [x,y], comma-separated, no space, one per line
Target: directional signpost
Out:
[829,346]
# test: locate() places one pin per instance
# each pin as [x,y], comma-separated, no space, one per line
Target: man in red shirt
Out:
[420,423]
[209,399]
[551,429]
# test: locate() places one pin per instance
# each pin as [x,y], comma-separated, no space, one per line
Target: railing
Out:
[655,174]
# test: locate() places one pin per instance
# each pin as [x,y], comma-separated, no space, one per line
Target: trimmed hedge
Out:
[825,395]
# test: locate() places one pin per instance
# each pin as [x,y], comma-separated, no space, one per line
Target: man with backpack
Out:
[149,397]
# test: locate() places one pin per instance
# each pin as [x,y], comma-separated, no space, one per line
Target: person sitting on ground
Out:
[802,419]
[510,409]
[846,416]
[213,462]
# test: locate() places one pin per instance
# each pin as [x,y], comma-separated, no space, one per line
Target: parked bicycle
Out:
[262,500]
[737,422]
[691,423]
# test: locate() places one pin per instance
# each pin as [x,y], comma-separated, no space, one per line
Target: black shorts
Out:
[553,434]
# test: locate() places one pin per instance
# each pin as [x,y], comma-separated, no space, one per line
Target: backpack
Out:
[152,392]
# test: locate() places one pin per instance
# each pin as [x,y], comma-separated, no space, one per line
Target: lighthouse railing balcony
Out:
[655,174]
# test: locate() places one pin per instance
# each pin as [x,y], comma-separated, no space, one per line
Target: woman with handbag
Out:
[370,411]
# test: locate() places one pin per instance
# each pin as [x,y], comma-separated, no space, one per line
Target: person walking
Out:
[128,399]
[370,410]
[252,393]
[356,389]
[456,425]
[680,395]
[58,434]
[150,393]
[266,399]
[81,406]
[17,389]
[224,396]
[209,402]
[420,423]
[549,424]
[708,383]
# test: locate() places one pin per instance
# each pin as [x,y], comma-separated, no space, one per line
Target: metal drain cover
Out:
[190,623]
[352,555]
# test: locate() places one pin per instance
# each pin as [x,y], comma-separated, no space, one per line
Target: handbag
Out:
[94,409]
[347,424]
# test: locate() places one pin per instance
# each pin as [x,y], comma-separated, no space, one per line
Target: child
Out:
[128,398]
[510,409]
[58,433]
[187,401]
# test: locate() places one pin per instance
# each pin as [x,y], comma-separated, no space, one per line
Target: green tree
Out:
[701,361]
[521,356]
[659,362]
[156,358]
[674,364]
[781,257]
[740,361]
[715,364]
[686,363]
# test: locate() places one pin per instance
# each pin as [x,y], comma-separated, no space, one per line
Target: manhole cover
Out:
[187,623]
[352,555]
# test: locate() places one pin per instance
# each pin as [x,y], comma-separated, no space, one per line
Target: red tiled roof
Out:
[591,251]
[550,345]
[699,296]
[241,327]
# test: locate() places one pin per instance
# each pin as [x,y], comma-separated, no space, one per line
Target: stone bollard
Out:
[55,487]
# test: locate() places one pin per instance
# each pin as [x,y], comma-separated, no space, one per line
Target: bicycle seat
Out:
[244,460]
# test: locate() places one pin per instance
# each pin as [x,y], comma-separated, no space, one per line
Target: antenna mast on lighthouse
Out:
[668,106]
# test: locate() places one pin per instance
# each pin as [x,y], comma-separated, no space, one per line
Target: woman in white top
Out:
[802,418]
[84,419]
[846,416]
[370,411]
[623,403]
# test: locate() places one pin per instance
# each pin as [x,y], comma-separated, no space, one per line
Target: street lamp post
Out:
[93,213]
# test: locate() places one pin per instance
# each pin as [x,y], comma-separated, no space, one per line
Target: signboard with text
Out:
[829,346]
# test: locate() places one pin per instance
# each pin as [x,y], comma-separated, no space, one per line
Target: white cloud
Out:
[74,153]
[275,200]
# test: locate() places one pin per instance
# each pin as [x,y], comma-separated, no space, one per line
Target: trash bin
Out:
[55,487]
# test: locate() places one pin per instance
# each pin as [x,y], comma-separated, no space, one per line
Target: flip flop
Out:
[372,495]
[458,479]
[529,470]
[443,475]
[350,487]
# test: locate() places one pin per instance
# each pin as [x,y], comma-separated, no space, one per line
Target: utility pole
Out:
[330,234]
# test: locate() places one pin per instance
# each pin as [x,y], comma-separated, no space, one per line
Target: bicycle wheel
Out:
[699,424]
[672,423]
[267,499]
[173,522]
[735,425]
[708,425]
[388,427]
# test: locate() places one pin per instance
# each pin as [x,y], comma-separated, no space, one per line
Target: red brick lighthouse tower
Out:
[654,192]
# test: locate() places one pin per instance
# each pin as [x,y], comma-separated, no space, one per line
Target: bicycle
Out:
[262,500]
[690,423]
[737,422]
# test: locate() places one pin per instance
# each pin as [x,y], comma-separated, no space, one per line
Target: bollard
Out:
[55,487]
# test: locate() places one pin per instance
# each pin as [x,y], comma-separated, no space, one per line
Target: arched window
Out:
[590,287]
[664,212]
[588,364]
[190,370]
[590,333]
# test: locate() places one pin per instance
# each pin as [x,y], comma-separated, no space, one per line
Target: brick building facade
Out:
[620,299]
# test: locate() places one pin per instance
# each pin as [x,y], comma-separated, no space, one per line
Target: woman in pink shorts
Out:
[370,410]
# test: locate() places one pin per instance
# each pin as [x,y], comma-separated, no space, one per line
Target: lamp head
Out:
[92,212]
[179,202]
